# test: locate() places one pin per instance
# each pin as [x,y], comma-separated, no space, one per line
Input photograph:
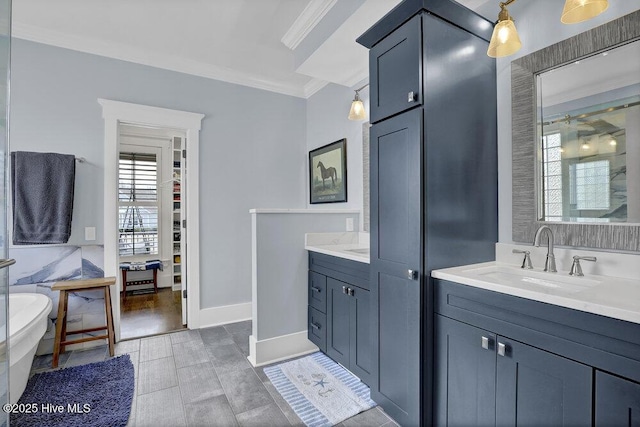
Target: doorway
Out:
[150,214]
[186,127]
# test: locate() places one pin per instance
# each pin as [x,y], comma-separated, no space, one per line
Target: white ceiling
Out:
[239,41]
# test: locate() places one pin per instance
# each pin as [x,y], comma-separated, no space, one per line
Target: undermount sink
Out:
[533,280]
[364,251]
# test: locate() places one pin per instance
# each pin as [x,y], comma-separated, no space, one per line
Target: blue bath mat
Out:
[321,392]
[98,394]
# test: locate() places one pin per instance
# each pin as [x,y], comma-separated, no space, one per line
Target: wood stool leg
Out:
[109,313]
[155,280]
[63,335]
[59,321]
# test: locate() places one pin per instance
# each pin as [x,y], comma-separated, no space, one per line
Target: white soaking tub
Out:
[28,315]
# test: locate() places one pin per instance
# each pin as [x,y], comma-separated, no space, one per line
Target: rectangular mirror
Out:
[575,161]
[588,157]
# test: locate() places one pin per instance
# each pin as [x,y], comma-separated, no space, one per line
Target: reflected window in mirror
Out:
[589,139]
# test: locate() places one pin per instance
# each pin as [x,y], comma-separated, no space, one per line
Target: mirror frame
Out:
[618,237]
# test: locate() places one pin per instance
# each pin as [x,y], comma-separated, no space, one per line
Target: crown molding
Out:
[357,77]
[140,56]
[314,86]
[308,19]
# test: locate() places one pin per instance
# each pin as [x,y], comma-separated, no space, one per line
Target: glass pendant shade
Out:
[580,10]
[505,40]
[357,110]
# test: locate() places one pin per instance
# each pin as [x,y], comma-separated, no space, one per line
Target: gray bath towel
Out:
[42,196]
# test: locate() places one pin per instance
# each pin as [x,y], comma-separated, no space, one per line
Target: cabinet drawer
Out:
[318,291]
[317,328]
[395,68]
[348,271]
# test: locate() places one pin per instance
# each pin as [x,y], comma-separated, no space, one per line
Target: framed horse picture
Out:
[328,173]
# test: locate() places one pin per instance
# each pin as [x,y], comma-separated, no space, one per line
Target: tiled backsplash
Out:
[38,268]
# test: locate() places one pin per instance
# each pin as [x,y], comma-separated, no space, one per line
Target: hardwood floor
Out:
[150,314]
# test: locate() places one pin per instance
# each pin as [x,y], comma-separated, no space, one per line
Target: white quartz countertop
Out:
[607,296]
[348,245]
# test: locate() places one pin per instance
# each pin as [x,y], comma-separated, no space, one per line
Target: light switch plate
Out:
[89,233]
[349,224]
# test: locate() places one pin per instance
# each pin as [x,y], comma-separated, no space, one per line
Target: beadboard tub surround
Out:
[279,278]
[611,284]
[349,245]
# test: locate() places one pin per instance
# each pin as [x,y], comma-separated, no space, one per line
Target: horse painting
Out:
[326,173]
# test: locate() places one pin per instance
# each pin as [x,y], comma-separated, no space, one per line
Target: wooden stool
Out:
[61,323]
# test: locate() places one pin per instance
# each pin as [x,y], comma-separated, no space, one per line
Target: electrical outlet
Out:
[349,224]
[89,233]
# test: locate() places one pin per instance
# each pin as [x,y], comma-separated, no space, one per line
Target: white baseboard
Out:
[279,348]
[215,316]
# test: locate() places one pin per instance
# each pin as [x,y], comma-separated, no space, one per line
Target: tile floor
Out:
[201,378]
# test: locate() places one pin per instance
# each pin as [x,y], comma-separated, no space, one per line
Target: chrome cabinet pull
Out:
[502,349]
[411,97]
[6,263]
[351,292]
[344,290]
[412,274]
[316,289]
[485,343]
[316,326]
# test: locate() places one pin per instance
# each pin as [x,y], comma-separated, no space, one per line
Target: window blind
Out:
[138,209]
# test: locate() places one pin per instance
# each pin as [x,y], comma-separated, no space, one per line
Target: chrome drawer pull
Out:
[316,326]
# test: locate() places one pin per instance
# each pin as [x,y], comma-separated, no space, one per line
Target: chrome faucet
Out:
[550,263]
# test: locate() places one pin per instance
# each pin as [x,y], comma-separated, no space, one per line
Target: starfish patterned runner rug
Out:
[321,392]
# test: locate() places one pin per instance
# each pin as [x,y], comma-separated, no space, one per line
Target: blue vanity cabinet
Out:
[348,329]
[433,171]
[396,65]
[617,401]
[554,366]
[486,379]
[349,332]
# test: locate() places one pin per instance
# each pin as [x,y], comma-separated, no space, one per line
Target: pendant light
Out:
[357,111]
[504,40]
[581,10]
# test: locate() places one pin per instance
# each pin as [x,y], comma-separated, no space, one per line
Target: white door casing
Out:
[114,113]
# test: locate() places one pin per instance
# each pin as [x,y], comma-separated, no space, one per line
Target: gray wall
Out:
[327,121]
[281,262]
[538,24]
[251,146]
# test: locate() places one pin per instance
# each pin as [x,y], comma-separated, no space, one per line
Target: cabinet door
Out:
[338,312]
[538,388]
[396,230]
[465,373]
[617,401]
[361,357]
[395,68]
